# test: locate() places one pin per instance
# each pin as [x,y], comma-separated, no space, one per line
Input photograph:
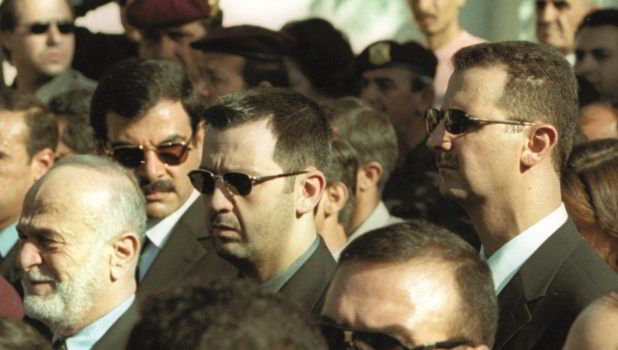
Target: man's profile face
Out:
[484,160]
[172,43]
[434,16]
[415,302]
[390,90]
[16,169]
[166,187]
[61,258]
[557,21]
[256,225]
[597,59]
[220,74]
[45,54]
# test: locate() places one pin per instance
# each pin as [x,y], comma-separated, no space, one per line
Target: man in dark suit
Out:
[80,234]
[145,114]
[261,180]
[501,139]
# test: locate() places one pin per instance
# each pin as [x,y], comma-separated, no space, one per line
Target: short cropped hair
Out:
[225,314]
[134,86]
[343,168]
[299,124]
[74,106]
[126,206]
[541,86]
[402,243]
[42,128]
[367,130]
[602,17]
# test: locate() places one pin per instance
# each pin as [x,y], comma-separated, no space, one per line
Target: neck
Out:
[30,84]
[439,39]
[333,233]
[279,258]
[498,220]
[367,201]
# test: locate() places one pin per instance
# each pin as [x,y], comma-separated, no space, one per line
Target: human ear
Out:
[41,162]
[369,175]
[313,184]
[338,195]
[125,254]
[541,141]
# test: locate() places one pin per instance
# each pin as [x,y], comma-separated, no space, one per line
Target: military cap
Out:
[385,53]
[248,41]
[163,13]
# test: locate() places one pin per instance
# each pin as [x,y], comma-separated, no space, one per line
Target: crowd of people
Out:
[189,185]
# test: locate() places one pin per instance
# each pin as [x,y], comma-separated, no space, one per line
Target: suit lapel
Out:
[514,312]
[118,334]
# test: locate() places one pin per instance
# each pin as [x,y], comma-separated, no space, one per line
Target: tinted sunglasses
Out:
[339,338]
[240,183]
[64,27]
[170,153]
[458,122]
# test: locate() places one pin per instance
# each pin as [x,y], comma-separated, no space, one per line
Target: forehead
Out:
[476,88]
[13,128]
[417,297]
[166,119]
[598,37]
[249,146]
[42,10]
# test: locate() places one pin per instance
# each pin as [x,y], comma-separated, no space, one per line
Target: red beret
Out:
[163,13]
[10,302]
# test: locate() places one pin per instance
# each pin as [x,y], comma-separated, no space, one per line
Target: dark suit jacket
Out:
[307,287]
[539,304]
[117,336]
[187,254]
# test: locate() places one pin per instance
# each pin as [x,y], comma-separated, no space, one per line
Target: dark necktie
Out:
[60,344]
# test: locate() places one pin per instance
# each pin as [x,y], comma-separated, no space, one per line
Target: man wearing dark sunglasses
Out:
[145,115]
[37,37]
[261,181]
[501,140]
[410,286]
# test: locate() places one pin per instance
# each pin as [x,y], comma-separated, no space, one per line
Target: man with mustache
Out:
[80,235]
[501,140]
[37,37]
[261,183]
[145,114]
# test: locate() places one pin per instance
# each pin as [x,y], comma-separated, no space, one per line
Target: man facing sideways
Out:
[80,236]
[28,137]
[145,113]
[37,37]
[501,141]
[557,21]
[410,286]
[439,22]
[261,180]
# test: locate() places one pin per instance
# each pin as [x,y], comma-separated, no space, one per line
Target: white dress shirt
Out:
[507,260]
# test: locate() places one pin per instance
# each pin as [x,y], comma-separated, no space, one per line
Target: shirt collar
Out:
[159,230]
[8,238]
[507,260]
[90,335]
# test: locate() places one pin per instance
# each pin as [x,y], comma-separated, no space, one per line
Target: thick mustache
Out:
[157,186]
[446,161]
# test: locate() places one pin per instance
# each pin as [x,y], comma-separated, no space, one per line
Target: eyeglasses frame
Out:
[443,114]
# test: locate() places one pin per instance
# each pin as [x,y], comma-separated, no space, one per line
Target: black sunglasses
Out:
[458,122]
[240,183]
[340,338]
[170,153]
[64,27]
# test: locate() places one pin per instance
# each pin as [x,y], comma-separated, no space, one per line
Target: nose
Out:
[53,35]
[166,49]
[28,256]
[153,168]
[439,139]
[585,65]
[370,94]
[221,199]
[547,12]
[425,6]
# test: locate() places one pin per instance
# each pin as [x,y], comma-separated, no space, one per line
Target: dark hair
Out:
[42,128]
[403,243]
[343,168]
[367,130]
[74,106]
[602,17]
[223,315]
[324,55]
[256,70]
[299,124]
[134,86]
[540,86]
[590,193]
[18,335]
